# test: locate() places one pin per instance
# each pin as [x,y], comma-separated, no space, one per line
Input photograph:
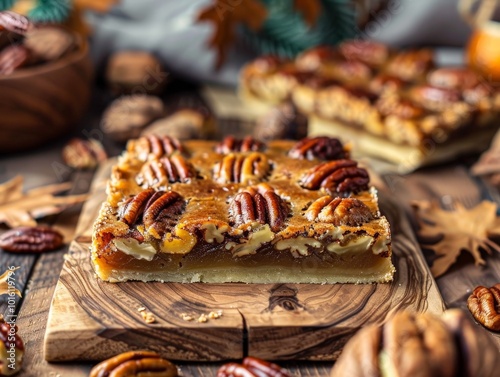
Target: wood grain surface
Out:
[91,320]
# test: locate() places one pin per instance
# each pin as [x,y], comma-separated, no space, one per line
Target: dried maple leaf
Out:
[20,209]
[310,10]
[4,283]
[461,229]
[226,17]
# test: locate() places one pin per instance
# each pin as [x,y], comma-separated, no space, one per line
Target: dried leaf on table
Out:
[4,283]
[460,229]
[226,17]
[21,209]
[488,164]
[310,10]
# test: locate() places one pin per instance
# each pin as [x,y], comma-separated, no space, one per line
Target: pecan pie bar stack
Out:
[241,211]
[394,105]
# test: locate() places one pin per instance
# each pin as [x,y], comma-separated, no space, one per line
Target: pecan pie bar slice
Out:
[241,211]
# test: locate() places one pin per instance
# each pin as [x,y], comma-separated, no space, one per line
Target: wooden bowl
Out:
[40,103]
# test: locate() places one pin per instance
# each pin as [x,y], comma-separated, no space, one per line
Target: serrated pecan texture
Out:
[259,204]
[164,170]
[320,147]
[252,367]
[339,211]
[338,178]
[158,146]
[135,364]
[157,210]
[31,239]
[231,144]
[484,304]
[83,154]
[242,168]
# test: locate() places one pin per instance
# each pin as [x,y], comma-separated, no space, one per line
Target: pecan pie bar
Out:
[241,211]
[394,105]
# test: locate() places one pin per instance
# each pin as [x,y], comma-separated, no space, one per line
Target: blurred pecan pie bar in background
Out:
[241,211]
[393,105]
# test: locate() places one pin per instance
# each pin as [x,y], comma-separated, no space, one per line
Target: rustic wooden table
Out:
[38,274]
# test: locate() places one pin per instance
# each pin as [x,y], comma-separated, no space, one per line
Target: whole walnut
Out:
[420,345]
[281,122]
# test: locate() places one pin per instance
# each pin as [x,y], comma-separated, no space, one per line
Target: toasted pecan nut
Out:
[484,304]
[339,211]
[453,78]
[13,57]
[321,147]
[428,93]
[382,83]
[339,178]
[410,65]
[135,364]
[400,107]
[259,204]
[252,367]
[313,58]
[352,69]
[157,146]
[166,169]
[83,154]
[28,239]
[11,349]
[368,52]
[162,210]
[133,208]
[14,22]
[238,168]
[231,144]
[127,116]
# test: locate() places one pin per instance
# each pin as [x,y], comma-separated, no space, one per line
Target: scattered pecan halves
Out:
[339,211]
[28,239]
[158,146]
[252,367]
[135,364]
[484,304]
[337,177]
[261,204]
[321,147]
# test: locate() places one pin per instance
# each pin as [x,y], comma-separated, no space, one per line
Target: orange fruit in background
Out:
[483,51]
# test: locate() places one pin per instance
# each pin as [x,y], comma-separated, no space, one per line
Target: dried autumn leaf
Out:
[226,17]
[310,10]
[20,209]
[4,283]
[461,229]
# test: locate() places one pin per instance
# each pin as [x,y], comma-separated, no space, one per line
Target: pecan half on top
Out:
[338,178]
[157,210]
[10,340]
[242,168]
[339,211]
[166,169]
[320,147]
[231,144]
[28,239]
[135,364]
[484,304]
[157,146]
[252,367]
[259,204]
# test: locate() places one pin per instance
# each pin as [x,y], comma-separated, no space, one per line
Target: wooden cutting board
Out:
[92,320]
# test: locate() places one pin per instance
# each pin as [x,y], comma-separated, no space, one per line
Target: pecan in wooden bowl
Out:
[42,99]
